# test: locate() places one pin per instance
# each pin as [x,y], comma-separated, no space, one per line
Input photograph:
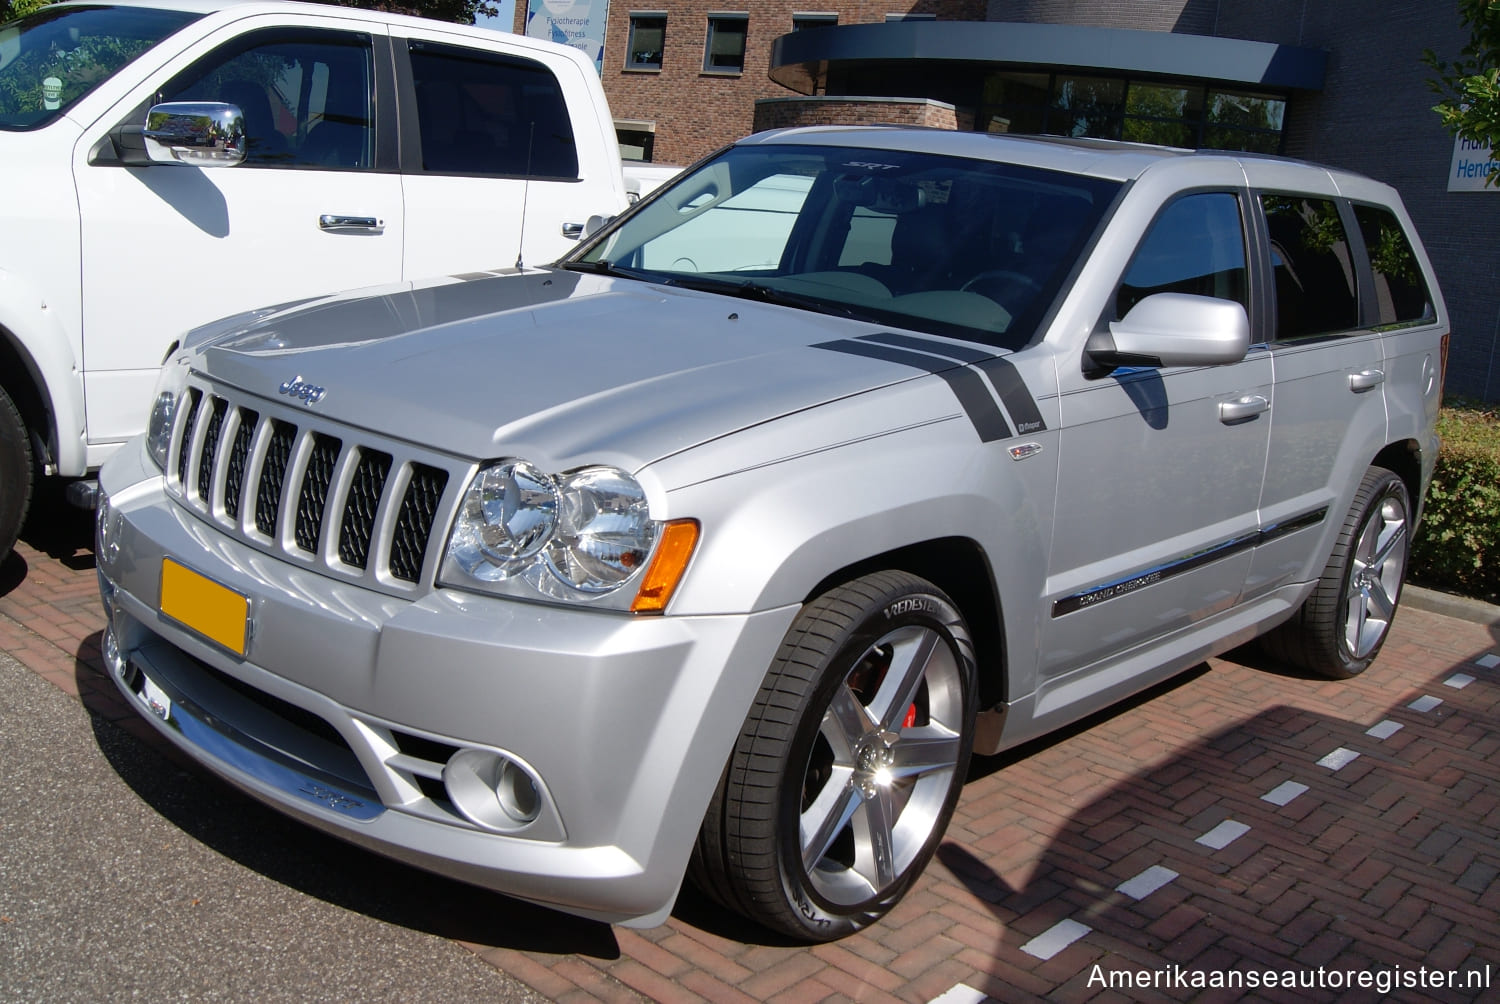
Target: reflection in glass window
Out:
[724,51]
[1162,114]
[648,37]
[479,113]
[1310,259]
[1087,106]
[1238,121]
[305,95]
[1400,293]
[1196,245]
[802,21]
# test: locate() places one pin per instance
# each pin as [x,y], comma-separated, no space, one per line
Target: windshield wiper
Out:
[749,289]
[604,266]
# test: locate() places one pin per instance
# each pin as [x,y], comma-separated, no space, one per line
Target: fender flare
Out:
[50,373]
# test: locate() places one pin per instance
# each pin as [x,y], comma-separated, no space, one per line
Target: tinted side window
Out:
[1400,292]
[485,114]
[1196,245]
[306,96]
[1310,259]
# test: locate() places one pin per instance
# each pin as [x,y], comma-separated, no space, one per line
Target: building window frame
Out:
[723,58]
[802,20]
[643,24]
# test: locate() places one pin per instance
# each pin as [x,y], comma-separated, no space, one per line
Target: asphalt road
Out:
[124,877]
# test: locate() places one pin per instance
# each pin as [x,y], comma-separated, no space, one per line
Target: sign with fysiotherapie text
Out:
[1473,163]
[579,23]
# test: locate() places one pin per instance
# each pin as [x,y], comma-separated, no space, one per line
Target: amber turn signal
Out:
[678,538]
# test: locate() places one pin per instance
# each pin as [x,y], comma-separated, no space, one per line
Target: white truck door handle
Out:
[1366,380]
[1242,408]
[336,224]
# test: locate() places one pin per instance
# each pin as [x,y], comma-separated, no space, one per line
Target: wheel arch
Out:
[959,567]
[1404,459]
[40,370]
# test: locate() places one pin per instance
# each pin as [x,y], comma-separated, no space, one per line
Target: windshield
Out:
[54,57]
[949,245]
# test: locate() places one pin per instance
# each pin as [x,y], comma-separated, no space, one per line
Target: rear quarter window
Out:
[1401,295]
[1314,273]
[484,114]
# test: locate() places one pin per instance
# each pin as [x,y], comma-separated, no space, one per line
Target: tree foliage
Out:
[1470,85]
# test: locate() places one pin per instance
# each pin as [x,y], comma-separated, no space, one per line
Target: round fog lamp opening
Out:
[492,790]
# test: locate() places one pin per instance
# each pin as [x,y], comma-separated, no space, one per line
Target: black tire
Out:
[873,759]
[1340,627]
[16,473]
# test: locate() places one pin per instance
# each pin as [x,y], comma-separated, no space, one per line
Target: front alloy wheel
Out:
[849,765]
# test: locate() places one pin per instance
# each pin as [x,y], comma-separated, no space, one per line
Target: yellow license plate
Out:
[214,611]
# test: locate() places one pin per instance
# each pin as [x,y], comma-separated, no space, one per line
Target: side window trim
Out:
[369,41]
[409,112]
[1358,264]
[1251,248]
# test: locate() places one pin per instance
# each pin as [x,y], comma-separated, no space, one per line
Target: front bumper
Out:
[348,705]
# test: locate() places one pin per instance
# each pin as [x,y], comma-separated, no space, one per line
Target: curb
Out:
[1462,607]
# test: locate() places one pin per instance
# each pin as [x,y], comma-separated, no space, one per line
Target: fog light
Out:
[114,659]
[492,790]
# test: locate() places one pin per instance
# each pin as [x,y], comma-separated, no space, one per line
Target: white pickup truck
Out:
[360,147]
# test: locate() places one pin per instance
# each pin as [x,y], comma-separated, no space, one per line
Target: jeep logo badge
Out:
[307,393]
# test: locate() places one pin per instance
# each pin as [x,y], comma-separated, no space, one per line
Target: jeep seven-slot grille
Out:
[306,491]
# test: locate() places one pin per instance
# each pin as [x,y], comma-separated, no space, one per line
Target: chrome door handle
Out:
[1367,379]
[1242,408]
[572,231]
[335,224]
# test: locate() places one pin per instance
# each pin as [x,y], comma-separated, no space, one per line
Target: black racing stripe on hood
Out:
[973,396]
[1002,375]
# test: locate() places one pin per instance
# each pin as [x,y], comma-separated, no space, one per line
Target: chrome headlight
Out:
[164,402]
[576,536]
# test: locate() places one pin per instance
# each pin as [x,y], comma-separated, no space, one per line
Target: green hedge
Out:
[1457,548]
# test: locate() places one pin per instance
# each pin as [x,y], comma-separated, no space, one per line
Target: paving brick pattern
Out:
[1381,862]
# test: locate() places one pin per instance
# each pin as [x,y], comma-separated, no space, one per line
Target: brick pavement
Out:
[1239,817]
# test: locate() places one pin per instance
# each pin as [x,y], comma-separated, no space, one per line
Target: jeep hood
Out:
[559,367]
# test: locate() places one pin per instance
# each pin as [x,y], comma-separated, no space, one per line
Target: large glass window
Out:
[1244,122]
[306,95]
[1400,292]
[1310,259]
[1087,106]
[1163,114]
[57,55]
[480,113]
[648,39]
[1196,245]
[724,49]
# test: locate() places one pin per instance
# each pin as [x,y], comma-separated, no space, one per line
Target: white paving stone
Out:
[1425,704]
[1146,882]
[1055,938]
[1384,730]
[1339,758]
[961,994]
[1284,793]
[1487,661]
[1458,681]
[1224,834]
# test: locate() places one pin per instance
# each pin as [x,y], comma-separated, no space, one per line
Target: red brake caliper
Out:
[911,717]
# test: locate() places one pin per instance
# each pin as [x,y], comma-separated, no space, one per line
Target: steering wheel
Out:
[1006,274]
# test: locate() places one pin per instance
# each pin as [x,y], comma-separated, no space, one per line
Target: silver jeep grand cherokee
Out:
[714,550]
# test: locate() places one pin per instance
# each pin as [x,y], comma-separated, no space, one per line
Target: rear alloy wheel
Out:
[848,767]
[15,473]
[1340,628]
